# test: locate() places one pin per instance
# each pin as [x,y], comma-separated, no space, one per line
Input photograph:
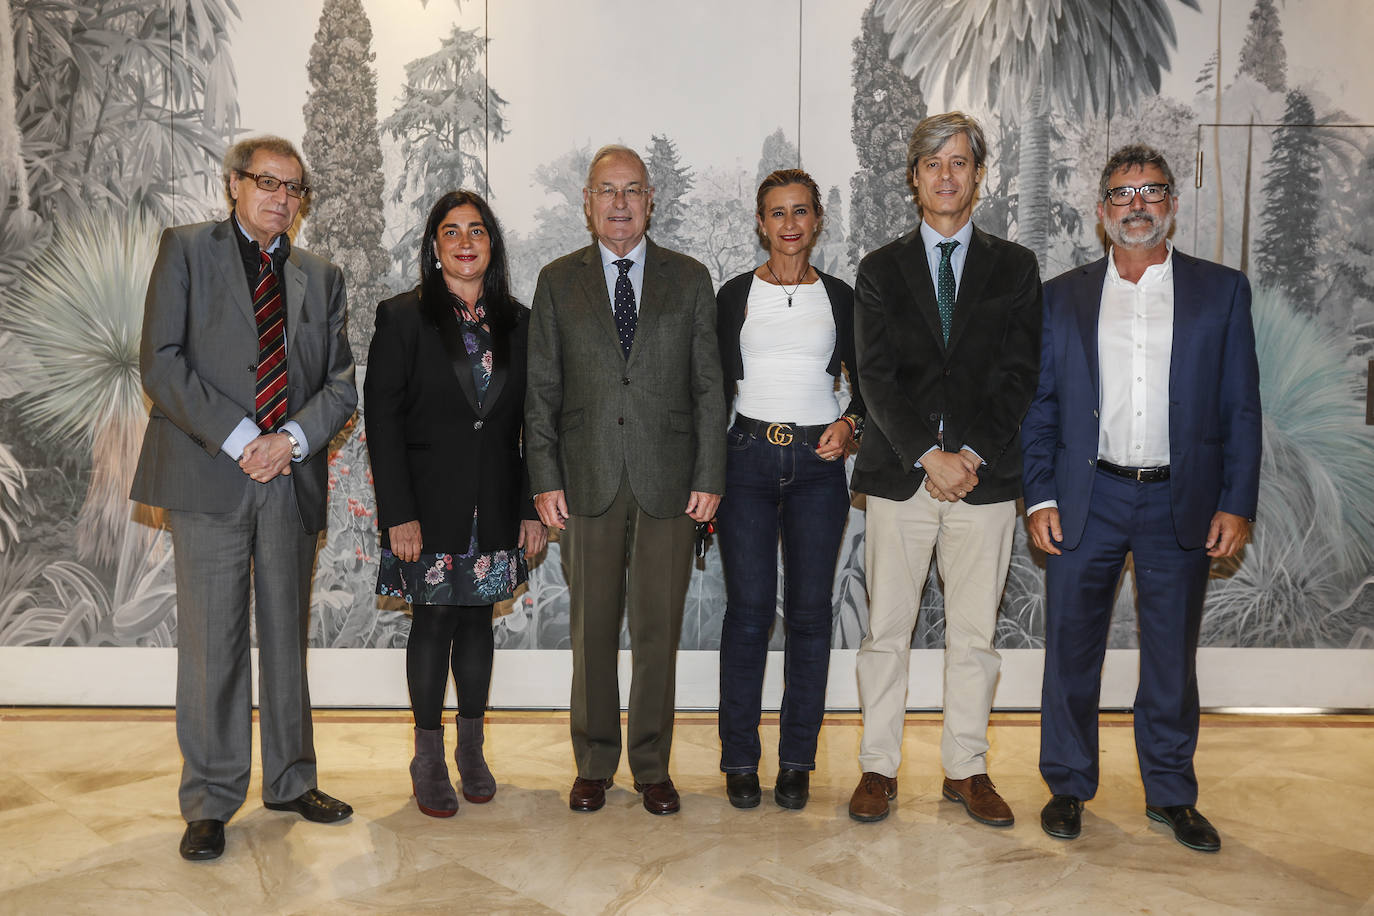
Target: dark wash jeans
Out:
[771,489]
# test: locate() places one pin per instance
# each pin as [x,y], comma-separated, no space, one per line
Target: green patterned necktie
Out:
[944,286]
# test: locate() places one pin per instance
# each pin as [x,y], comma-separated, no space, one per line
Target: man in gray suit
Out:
[625,441]
[246,361]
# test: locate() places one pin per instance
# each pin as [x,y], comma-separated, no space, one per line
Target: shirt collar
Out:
[1155,273]
[249,247]
[930,238]
[608,257]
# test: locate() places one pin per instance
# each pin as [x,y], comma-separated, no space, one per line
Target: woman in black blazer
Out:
[785,330]
[444,402]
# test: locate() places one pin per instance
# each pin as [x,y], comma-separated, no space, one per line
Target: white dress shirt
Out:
[930,240]
[612,273]
[1135,341]
[1135,344]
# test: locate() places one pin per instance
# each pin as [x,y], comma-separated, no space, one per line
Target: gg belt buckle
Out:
[779,434]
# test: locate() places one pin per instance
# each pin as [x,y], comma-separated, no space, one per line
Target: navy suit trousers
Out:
[1124,516]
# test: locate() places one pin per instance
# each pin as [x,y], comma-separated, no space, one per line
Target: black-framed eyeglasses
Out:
[270,183]
[1149,193]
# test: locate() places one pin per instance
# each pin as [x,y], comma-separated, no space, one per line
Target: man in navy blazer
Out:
[1143,437]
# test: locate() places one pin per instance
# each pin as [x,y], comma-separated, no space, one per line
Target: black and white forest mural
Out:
[114,118]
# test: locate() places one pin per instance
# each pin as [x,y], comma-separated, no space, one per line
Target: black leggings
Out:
[444,636]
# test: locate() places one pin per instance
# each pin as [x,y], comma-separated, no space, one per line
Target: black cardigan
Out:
[731,304]
[435,455]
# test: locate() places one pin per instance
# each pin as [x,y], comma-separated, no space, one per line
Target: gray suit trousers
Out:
[259,545]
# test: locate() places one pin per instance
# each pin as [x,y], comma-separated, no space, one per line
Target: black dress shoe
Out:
[1062,817]
[314,805]
[742,789]
[202,840]
[792,789]
[1190,827]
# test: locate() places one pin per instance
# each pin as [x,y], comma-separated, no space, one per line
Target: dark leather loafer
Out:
[589,794]
[1062,817]
[659,797]
[792,789]
[742,789]
[1189,826]
[314,805]
[202,840]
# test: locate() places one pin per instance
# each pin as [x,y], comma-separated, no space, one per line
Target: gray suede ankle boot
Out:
[429,774]
[478,783]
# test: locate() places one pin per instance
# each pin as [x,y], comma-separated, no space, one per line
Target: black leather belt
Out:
[1141,475]
[781,433]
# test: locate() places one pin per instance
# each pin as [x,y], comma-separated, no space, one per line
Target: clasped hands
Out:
[950,476]
[266,456]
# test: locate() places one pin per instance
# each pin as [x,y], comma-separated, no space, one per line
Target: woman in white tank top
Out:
[785,332]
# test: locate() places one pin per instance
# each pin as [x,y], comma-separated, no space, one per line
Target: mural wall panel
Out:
[113,122]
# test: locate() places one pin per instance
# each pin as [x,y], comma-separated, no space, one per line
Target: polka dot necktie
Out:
[625,306]
[271,318]
[944,286]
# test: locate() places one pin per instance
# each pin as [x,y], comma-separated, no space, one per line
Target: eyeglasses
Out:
[1149,193]
[270,183]
[632,195]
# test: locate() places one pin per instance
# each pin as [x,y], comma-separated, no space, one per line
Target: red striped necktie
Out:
[271,318]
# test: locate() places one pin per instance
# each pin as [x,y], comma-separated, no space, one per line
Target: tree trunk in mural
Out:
[1033,175]
[12,174]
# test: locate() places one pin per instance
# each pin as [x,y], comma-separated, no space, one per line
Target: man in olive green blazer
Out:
[625,441]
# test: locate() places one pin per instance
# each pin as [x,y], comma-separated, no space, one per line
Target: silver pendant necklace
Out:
[778,280]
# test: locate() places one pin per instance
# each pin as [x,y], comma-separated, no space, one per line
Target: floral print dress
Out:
[472,577]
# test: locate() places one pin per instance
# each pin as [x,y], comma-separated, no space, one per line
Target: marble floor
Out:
[88,824]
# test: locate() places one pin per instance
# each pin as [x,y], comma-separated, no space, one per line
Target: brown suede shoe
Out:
[979,797]
[589,794]
[660,797]
[870,800]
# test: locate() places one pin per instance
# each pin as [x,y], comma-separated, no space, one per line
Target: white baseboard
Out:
[1248,678]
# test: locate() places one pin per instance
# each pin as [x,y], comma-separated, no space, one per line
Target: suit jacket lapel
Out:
[594,289]
[1187,306]
[650,304]
[229,264]
[978,267]
[293,290]
[451,336]
[916,273]
[1088,308]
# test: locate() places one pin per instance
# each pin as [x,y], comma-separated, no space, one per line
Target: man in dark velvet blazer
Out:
[1144,437]
[236,452]
[947,326]
[625,442]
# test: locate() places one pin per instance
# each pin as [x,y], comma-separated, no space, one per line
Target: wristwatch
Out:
[296,453]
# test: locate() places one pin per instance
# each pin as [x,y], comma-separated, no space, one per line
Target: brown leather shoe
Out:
[870,800]
[659,797]
[979,797]
[589,794]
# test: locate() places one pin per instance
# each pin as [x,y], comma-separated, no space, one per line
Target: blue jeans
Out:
[771,489]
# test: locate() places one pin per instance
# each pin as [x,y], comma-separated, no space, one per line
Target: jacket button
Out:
[253,368]
[1091,463]
[933,417]
[1095,413]
[477,425]
[625,380]
[947,372]
[620,421]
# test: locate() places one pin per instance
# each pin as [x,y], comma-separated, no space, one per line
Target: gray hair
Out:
[616,149]
[1135,155]
[935,131]
[239,156]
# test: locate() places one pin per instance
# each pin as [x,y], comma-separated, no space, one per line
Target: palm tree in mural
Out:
[78,310]
[1030,59]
